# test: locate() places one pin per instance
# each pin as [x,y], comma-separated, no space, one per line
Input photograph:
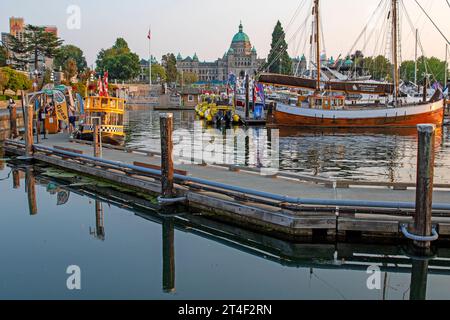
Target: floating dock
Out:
[285,205]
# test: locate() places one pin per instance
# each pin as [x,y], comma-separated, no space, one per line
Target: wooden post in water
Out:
[16,178]
[168,242]
[419,280]
[166,127]
[13,122]
[31,191]
[425,91]
[97,137]
[247,97]
[425,179]
[28,131]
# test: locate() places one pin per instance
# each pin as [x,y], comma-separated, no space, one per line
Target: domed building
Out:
[240,59]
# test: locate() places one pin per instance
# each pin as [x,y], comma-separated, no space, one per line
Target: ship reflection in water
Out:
[385,155]
[127,252]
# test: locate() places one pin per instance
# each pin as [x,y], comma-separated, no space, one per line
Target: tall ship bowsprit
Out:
[327,105]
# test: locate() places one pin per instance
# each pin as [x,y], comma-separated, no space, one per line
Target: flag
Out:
[260,92]
[149,35]
[100,86]
[106,83]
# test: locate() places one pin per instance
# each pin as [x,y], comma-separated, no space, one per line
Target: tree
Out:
[189,78]
[425,66]
[3,55]
[119,61]
[70,52]
[279,60]
[15,80]
[36,43]
[4,79]
[158,72]
[70,69]
[169,63]
[379,67]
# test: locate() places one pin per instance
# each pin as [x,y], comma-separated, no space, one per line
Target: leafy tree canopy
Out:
[36,42]
[119,61]
[14,80]
[169,62]
[70,52]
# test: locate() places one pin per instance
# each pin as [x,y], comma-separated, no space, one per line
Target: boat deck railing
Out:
[105,104]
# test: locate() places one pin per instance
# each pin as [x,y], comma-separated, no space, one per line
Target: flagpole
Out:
[150,53]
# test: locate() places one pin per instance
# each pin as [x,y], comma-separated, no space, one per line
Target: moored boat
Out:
[108,113]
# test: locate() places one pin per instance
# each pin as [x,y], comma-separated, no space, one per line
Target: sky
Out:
[206,27]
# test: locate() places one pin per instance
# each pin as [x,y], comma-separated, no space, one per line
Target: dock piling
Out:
[425,178]
[97,142]
[247,97]
[13,122]
[28,131]
[166,127]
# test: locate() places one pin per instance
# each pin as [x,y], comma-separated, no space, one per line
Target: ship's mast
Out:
[395,48]
[317,39]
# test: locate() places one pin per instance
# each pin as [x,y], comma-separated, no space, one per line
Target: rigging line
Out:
[432,21]
[448,3]
[296,13]
[365,28]
[419,40]
[282,48]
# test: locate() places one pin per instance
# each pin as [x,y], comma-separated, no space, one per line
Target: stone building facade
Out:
[240,59]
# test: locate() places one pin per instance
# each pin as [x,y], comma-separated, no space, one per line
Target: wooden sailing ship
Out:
[325,108]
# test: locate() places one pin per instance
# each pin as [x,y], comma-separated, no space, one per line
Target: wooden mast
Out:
[317,38]
[395,48]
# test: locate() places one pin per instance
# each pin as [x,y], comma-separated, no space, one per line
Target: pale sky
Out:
[206,27]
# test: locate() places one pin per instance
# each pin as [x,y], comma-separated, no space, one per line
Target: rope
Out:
[432,21]
[7,177]
[417,238]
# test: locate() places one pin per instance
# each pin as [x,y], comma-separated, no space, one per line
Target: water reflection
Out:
[340,267]
[387,154]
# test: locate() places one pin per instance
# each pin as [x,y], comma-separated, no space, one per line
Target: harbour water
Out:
[386,155]
[123,252]
[130,254]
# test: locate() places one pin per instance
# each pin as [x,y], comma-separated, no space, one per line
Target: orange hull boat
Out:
[408,116]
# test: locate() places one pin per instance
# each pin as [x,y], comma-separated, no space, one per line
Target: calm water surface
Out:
[376,155]
[124,254]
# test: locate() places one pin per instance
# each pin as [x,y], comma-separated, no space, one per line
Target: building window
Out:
[190,98]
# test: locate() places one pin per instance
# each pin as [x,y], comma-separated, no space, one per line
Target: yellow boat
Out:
[216,111]
[108,112]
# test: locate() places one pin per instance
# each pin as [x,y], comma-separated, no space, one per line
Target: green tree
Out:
[158,72]
[379,67]
[36,42]
[15,80]
[70,52]
[119,61]
[279,60]
[70,69]
[425,66]
[189,78]
[3,55]
[4,79]
[169,63]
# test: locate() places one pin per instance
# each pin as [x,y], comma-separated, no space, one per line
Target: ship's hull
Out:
[107,138]
[407,116]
